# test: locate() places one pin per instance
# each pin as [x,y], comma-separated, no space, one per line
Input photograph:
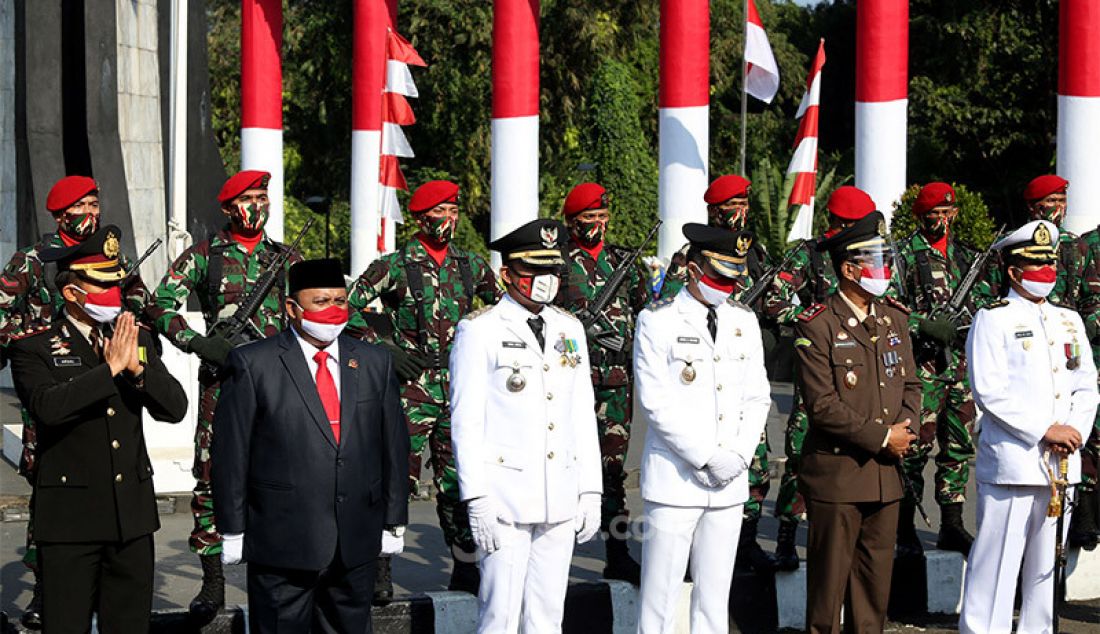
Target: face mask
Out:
[440,229]
[715,292]
[79,226]
[324,325]
[588,233]
[102,307]
[875,281]
[251,218]
[1039,282]
[934,230]
[1051,212]
[733,220]
[541,289]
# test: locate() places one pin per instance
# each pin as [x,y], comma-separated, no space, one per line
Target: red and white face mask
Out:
[103,307]
[326,324]
[875,281]
[1039,282]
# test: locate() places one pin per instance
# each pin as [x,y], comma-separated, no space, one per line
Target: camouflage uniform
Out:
[612,370]
[218,299]
[947,408]
[1090,453]
[808,279]
[675,279]
[444,298]
[29,303]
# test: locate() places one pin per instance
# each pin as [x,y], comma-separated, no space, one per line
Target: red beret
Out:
[433,193]
[1043,186]
[934,195]
[850,203]
[242,182]
[584,197]
[725,187]
[68,191]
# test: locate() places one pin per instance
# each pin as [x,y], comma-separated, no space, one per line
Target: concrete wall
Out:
[8,224]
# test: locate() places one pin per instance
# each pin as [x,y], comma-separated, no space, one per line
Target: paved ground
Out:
[425,565]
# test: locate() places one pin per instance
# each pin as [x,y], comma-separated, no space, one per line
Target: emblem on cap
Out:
[110,245]
[1042,235]
[743,244]
[948,196]
[881,228]
[549,236]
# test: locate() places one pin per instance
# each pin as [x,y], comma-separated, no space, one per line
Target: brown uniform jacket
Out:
[852,396]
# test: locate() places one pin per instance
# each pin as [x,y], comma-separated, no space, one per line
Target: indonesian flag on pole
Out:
[396,112]
[803,167]
[761,71]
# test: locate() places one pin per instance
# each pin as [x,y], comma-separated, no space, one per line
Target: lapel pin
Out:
[353,363]
[852,322]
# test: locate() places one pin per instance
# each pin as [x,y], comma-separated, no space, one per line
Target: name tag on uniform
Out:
[1022,334]
[67,362]
[513,344]
[687,339]
[844,344]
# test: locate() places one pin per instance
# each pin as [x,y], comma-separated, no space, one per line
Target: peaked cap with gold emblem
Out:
[96,259]
[1036,241]
[537,243]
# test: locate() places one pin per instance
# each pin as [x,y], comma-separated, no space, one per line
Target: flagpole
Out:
[744,86]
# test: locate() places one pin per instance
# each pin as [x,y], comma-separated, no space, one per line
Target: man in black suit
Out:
[310,463]
[85,381]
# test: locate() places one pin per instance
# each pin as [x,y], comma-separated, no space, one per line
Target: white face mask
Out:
[541,289]
[874,286]
[713,296]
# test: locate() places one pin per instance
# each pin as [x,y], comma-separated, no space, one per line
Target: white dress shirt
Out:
[333,350]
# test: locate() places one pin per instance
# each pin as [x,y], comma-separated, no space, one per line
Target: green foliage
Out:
[973,226]
[769,217]
[623,156]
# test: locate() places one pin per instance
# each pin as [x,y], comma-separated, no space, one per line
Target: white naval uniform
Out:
[1021,380]
[533,452]
[724,407]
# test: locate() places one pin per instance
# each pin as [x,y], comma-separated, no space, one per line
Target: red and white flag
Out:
[803,167]
[396,112]
[761,71]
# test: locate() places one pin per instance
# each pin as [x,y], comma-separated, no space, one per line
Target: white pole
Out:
[178,238]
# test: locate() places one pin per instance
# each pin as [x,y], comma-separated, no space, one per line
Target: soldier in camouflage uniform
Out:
[727,201]
[1077,287]
[221,270]
[589,264]
[29,302]
[933,264]
[425,288]
[796,290]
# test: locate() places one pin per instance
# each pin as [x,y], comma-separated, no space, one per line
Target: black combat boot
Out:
[465,576]
[953,534]
[1083,531]
[786,556]
[383,582]
[32,616]
[620,565]
[750,556]
[908,542]
[211,598]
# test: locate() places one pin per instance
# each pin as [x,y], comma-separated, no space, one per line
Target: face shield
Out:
[876,260]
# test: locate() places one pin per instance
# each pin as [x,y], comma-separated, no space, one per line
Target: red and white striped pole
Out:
[683,118]
[368,79]
[262,99]
[1079,110]
[882,98]
[515,128]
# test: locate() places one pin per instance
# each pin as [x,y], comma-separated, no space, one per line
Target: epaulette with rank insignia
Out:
[658,304]
[479,312]
[813,310]
[562,311]
[894,303]
[997,304]
[30,332]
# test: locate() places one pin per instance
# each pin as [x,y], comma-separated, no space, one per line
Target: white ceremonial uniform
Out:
[1030,367]
[532,451]
[698,397]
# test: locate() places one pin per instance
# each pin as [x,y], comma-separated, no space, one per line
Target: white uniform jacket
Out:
[724,406]
[1030,366]
[536,449]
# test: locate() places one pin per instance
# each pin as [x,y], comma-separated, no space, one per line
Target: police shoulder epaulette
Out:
[30,332]
[658,304]
[997,304]
[479,312]
[811,311]
[736,304]
[894,303]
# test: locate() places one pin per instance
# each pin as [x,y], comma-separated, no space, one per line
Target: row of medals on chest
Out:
[570,356]
[1072,349]
[891,359]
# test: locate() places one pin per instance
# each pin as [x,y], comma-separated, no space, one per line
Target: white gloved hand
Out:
[587,521]
[485,523]
[703,477]
[232,548]
[393,542]
[725,465]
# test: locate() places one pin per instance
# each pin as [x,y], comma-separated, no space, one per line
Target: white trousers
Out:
[525,580]
[709,537]
[1013,529]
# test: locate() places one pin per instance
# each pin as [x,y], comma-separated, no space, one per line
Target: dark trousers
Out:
[113,580]
[850,557]
[334,600]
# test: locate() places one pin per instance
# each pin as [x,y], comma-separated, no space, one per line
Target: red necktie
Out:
[326,387]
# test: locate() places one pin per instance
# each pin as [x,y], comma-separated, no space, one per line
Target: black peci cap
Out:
[323,273]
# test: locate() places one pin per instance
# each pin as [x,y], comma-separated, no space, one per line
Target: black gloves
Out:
[941,330]
[409,367]
[213,349]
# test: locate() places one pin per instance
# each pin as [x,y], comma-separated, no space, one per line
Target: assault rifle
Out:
[137,263]
[596,325]
[761,285]
[238,328]
[956,308]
